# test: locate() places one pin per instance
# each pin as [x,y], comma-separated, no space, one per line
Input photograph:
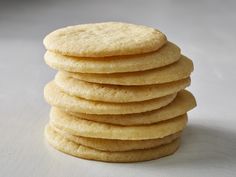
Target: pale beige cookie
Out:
[78,150]
[86,128]
[114,145]
[176,71]
[183,103]
[166,55]
[117,93]
[56,97]
[104,39]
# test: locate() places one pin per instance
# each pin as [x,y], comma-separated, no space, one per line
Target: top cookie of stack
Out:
[108,48]
[116,74]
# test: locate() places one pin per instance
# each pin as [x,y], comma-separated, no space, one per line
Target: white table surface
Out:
[206,32]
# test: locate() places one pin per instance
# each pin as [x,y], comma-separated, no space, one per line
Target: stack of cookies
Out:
[119,92]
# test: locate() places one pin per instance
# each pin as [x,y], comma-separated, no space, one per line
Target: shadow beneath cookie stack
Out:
[201,146]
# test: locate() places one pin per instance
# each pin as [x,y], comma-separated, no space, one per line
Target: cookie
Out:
[69,147]
[114,145]
[86,128]
[166,55]
[56,97]
[176,71]
[104,39]
[117,93]
[183,103]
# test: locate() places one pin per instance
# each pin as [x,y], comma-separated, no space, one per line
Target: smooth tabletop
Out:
[205,31]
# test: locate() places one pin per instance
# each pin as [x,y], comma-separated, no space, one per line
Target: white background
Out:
[206,32]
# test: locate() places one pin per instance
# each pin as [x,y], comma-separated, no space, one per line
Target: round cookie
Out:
[78,150]
[117,93]
[166,55]
[183,103]
[176,71]
[104,39]
[56,97]
[115,145]
[86,128]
